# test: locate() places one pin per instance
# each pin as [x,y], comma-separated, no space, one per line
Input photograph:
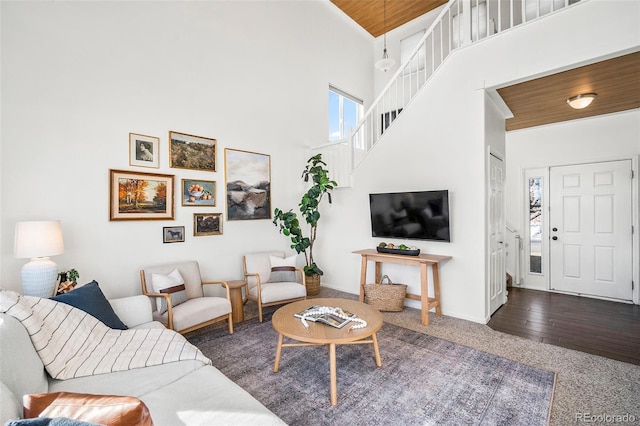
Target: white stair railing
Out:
[451,30]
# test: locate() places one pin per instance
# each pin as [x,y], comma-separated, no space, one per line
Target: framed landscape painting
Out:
[140,196]
[192,152]
[144,150]
[198,192]
[248,183]
[207,224]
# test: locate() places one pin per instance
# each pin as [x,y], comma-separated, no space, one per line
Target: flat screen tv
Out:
[420,215]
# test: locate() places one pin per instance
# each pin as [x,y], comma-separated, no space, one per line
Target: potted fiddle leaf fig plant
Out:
[290,226]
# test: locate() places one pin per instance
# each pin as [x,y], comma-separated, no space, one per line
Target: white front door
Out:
[591,229]
[497,266]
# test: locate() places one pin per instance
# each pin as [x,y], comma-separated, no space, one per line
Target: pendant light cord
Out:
[385,63]
[384,23]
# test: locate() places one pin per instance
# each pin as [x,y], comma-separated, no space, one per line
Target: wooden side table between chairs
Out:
[237,301]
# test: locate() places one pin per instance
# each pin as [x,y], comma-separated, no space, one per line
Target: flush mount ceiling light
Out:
[385,63]
[581,101]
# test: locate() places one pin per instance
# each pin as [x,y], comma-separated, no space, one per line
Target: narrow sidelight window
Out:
[535,225]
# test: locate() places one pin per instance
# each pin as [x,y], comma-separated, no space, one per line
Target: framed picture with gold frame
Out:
[207,224]
[140,196]
[196,192]
[192,152]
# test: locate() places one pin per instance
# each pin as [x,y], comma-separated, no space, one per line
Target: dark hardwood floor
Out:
[599,327]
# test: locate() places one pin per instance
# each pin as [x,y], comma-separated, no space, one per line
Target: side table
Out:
[237,301]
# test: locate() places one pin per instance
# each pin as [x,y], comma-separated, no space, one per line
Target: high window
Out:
[345,112]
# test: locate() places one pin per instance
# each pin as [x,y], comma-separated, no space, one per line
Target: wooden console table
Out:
[423,261]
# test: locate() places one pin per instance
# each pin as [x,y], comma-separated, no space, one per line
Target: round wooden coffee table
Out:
[286,324]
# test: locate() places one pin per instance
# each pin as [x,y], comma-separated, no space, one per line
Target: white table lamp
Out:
[38,240]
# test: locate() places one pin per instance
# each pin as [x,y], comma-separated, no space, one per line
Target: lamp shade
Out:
[38,239]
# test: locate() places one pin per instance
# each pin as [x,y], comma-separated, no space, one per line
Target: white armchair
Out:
[273,279]
[180,301]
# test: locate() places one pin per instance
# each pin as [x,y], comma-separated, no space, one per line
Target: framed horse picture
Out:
[173,234]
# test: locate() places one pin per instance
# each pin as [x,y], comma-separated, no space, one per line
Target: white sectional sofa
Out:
[179,393]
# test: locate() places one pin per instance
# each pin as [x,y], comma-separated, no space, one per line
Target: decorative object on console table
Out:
[388,297]
[400,249]
[38,240]
[404,252]
[309,208]
[248,183]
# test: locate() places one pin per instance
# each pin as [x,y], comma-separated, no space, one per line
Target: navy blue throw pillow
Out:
[90,299]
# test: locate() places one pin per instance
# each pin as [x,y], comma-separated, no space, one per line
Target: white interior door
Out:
[497,266]
[591,229]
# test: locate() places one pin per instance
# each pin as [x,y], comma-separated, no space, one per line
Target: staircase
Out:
[454,28]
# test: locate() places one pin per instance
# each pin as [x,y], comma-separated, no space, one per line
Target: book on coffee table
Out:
[328,319]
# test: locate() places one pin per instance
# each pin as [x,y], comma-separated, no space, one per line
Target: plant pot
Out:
[313,284]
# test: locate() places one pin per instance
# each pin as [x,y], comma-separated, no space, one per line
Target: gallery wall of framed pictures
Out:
[145,195]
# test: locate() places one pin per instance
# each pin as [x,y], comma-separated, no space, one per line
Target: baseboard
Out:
[333,287]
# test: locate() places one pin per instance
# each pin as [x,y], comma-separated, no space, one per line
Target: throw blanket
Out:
[72,343]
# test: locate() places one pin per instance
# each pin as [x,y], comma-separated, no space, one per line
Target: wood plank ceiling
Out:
[369,14]
[543,100]
[536,102]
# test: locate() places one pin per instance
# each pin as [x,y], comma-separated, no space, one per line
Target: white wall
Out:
[77,77]
[440,142]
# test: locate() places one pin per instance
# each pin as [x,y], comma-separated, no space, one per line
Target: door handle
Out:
[555,229]
[554,238]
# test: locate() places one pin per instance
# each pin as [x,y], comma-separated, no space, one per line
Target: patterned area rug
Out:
[423,380]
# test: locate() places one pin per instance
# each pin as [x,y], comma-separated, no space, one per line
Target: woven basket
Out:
[389,297]
[313,285]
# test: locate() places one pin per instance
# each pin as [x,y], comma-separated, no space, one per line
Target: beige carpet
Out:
[586,385]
